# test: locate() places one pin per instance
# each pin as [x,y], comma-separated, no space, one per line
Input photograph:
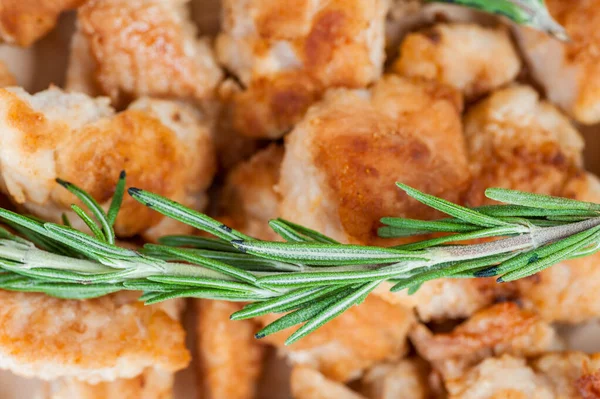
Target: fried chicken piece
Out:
[342,160]
[468,57]
[567,292]
[553,376]
[22,22]
[310,384]
[517,141]
[568,71]
[48,337]
[249,198]
[498,329]
[287,54]
[378,333]
[404,379]
[151,384]
[163,146]
[128,49]
[230,356]
[6,78]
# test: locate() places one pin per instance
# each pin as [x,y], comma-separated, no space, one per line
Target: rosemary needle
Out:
[311,276]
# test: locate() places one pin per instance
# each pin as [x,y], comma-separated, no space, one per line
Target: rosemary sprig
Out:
[308,276]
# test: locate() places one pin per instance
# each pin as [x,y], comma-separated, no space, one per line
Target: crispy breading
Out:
[114,53]
[345,347]
[568,71]
[287,53]
[249,197]
[407,378]
[230,357]
[567,375]
[93,340]
[310,384]
[501,328]
[79,139]
[517,141]
[6,77]
[22,22]
[342,160]
[468,57]
[151,384]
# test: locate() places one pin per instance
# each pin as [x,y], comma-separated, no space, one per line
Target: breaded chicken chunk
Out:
[229,355]
[6,77]
[568,71]
[93,340]
[249,198]
[569,375]
[151,384]
[342,160]
[308,383]
[345,347]
[22,22]
[468,57]
[164,147]
[517,141]
[132,48]
[407,378]
[286,54]
[498,329]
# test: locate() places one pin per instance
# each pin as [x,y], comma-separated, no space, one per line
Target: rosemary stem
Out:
[535,238]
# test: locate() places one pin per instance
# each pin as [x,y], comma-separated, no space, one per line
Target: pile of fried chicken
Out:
[310,111]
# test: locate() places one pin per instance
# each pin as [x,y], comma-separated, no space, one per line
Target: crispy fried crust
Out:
[501,328]
[249,198]
[364,335]
[310,384]
[342,160]
[230,356]
[407,378]
[569,72]
[287,54]
[22,22]
[100,339]
[80,140]
[468,57]
[517,141]
[113,54]
[151,384]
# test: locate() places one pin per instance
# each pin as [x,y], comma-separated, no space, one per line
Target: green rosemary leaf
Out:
[525,12]
[204,293]
[144,284]
[539,200]
[400,225]
[332,311]
[193,282]
[117,200]
[185,215]
[64,290]
[447,207]
[325,254]
[287,233]
[484,233]
[7,235]
[505,210]
[65,220]
[568,219]
[556,257]
[40,241]
[7,278]
[303,314]
[305,279]
[93,206]
[215,244]
[89,222]
[285,302]
[212,264]
[315,235]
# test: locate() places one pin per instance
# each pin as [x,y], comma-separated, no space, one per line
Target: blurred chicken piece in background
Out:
[286,54]
[113,54]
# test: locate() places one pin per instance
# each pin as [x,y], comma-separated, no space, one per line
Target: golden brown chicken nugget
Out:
[308,383]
